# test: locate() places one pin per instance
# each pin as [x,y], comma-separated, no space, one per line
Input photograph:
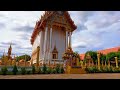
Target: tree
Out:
[4,70]
[57,68]
[23,70]
[33,69]
[62,70]
[44,69]
[27,57]
[102,57]
[118,55]
[49,70]
[111,56]
[39,70]
[15,70]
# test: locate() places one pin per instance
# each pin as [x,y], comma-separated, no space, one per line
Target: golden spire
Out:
[9,51]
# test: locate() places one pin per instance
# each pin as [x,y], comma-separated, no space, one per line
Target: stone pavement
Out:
[64,76]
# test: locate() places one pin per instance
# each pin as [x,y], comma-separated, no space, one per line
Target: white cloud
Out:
[102,30]
[17,20]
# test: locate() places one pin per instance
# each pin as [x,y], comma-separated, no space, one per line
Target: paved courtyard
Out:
[64,76]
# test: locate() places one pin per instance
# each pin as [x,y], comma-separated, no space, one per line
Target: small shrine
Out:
[72,62]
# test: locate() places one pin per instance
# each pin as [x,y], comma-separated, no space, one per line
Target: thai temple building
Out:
[52,35]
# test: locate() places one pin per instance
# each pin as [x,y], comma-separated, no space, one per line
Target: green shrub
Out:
[0,72]
[53,71]
[116,70]
[95,69]
[119,70]
[110,70]
[9,73]
[19,73]
[28,72]
[49,70]
[62,70]
[87,70]
[102,70]
[44,69]
[4,70]
[33,69]
[39,71]
[106,70]
[92,69]
[23,70]
[15,70]
[57,69]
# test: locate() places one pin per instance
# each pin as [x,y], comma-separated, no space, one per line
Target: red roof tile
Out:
[106,51]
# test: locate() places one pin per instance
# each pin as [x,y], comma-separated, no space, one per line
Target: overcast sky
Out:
[96,30]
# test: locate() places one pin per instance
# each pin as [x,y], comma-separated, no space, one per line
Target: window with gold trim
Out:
[54,53]
[54,56]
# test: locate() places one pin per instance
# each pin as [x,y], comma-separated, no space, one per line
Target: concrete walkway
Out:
[64,76]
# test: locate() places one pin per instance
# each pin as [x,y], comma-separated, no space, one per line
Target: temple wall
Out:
[36,43]
[58,39]
[42,44]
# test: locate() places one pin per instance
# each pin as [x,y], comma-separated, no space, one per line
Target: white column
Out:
[70,38]
[50,48]
[47,47]
[41,44]
[66,39]
[45,43]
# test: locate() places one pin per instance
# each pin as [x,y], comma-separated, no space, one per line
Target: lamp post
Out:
[98,56]
[88,58]
[60,66]
[38,51]
[15,59]
[105,63]
[108,63]
[25,60]
[116,61]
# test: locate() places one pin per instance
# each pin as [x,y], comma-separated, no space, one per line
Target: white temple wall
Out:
[58,39]
[42,44]
[36,43]
[48,44]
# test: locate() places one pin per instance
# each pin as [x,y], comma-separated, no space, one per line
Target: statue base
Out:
[75,70]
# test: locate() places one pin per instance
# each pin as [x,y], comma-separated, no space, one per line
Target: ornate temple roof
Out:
[55,50]
[41,23]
